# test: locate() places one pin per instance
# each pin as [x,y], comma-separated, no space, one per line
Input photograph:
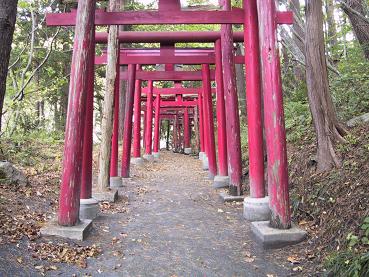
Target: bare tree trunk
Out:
[360,23]
[108,106]
[331,24]
[328,129]
[8,13]
[241,84]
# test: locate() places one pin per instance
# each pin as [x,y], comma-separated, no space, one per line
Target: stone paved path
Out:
[173,225]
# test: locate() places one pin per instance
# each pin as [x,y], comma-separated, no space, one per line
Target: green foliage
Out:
[353,262]
[298,120]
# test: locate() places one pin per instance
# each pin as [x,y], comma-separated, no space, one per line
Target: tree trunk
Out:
[331,24]
[241,85]
[328,129]
[8,13]
[360,24]
[108,106]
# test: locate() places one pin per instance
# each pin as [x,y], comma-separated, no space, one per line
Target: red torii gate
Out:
[85,18]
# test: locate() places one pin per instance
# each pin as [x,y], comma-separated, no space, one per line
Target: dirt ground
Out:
[168,222]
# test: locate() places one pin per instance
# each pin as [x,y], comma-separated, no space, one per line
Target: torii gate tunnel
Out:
[186,107]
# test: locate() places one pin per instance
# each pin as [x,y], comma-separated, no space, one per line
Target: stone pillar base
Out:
[89,208]
[221,182]
[148,157]
[188,151]
[137,161]
[201,155]
[205,163]
[256,209]
[109,195]
[275,238]
[77,232]
[116,182]
[156,155]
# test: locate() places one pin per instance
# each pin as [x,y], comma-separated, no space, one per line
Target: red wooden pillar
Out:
[274,117]
[209,123]
[137,119]
[157,125]
[253,97]
[144,129]
[201,124]
[149,110]
[186,129]
[221,117]
[175,128]
[127,131]
[69,199]
[231,104]
[86,182]
[115,137]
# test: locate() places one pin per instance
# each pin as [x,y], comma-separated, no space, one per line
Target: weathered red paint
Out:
[166,37]
[144,129]
[209,123]
[274,117]
[69,198]
[149,110]
[151,18]
[186,129]
[221,117]
[86,181]
[201,123]
[253,100]
[231,104]
[157,124]
[236,16]
[114,143]
[137,119]
[168,75]
[127,131]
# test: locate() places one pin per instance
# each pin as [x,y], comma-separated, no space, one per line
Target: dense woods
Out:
[325,73]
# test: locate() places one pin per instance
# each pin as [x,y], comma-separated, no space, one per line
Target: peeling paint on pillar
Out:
[137,119]
[69,198]
[115,137]
[274,117]
[127,132]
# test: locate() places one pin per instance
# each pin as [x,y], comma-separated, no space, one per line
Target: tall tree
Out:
[359,20]
[327,127]
[331,24]
[8,13]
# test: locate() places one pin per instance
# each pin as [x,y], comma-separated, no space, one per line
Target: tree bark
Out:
[360,23]
[331,24]
[108,106]
[328,129]
[8,13]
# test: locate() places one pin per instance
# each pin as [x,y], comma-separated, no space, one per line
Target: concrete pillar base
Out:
[256,209]
[188,151]
[148,157]
[109,195]
[201,155]
[225,197]
[270,237]
[137,161]
[221,182]
[156,155]
[89,208]
[205,163]
[77,232]
[116,182]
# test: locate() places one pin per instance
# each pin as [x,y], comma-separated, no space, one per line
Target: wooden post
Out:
[209,122]
[196,128]
[69,198]
[231,104]
[137,118]
[115,138]
[157,124]
[221,117]
[253,98]
[201,123]
[144,129]
[274,117]
[107,117]
[149,110]
[127,131]
[186,129]
[86,182]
